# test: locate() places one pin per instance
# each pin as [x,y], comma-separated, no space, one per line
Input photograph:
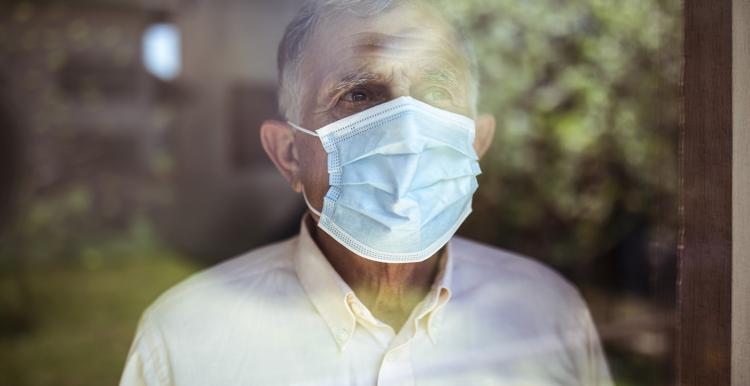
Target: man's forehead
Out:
[406,17]
[407,31]
[402,38]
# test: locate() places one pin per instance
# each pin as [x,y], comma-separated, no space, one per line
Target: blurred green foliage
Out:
[64,228]
[586,98]
[76,322]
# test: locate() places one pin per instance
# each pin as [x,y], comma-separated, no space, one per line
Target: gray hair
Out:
[302,27]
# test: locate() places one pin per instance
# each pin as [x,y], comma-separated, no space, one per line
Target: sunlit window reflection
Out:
[161,50]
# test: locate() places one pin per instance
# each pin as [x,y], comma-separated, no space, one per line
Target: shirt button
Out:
[342,335]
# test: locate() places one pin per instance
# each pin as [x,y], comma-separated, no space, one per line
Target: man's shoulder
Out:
[479,266]
[250,275]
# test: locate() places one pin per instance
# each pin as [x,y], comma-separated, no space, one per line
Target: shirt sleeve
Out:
[147,363]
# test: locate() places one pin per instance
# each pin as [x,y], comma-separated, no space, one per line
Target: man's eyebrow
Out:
[355,78]
[443,75]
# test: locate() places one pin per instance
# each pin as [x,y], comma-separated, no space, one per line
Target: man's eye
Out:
[437,94]
[356,96]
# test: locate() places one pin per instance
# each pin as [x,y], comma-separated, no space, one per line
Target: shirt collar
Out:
[330,294]
[431,308]
[325,288]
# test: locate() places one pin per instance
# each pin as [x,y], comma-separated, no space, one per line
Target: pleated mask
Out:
[402,175]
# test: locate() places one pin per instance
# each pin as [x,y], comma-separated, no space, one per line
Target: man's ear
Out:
[278,142]
[485,132]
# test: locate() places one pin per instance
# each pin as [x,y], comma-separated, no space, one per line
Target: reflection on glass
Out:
[161,50]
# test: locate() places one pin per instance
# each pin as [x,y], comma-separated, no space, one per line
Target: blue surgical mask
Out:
[401,176]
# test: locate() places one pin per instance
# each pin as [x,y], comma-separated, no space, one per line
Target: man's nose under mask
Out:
[401,177]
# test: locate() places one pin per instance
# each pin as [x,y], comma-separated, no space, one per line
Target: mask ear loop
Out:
[314,134]
[309,206]
[302,129]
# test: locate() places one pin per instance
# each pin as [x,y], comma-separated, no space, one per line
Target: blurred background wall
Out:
[129,159]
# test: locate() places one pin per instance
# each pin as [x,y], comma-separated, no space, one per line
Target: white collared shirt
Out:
[281,315]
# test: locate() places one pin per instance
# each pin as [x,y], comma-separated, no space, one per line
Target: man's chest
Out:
[304,351]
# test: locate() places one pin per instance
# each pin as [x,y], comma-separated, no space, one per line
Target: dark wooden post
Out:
[705,273]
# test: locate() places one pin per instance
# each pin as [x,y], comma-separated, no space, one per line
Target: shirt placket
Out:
[396,368]
[382,332]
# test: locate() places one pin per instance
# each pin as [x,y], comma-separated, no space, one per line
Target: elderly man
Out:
[383,141]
